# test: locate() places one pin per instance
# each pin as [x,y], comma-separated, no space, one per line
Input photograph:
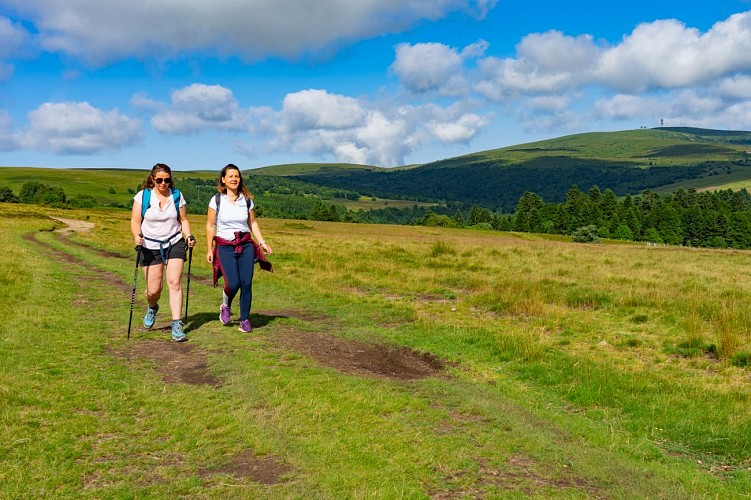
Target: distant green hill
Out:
[628,162]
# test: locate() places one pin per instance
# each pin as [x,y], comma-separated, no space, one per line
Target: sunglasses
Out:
[159,180]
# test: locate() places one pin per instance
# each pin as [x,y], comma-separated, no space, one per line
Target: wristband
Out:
[262,242]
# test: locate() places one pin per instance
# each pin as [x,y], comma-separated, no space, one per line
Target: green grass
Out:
[628,147]
[558,382]
[96,183]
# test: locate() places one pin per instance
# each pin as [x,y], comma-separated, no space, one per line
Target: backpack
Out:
[217,200]
[146,201]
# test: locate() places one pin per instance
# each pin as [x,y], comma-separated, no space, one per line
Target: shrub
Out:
[623,232]
[7,195]
[652,235]
[585,234]
[83,201]
[742,358]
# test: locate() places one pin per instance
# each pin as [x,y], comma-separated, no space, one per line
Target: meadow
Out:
[386,362]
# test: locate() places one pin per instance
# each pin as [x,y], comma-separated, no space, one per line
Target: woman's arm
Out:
[135,223]
[186,227]
[256,230]
[210,233]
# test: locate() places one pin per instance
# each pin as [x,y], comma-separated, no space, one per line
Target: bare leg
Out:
[174,283]
[153,276]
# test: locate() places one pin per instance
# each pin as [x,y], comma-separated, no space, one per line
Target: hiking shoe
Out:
[177,331]
[150,318]
[224,314]
[245,326]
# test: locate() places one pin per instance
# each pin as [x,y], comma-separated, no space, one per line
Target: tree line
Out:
[717,219]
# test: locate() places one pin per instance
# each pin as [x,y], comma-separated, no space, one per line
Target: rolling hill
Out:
[628,162]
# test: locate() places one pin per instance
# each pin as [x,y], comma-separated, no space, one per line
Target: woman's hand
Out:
[265,247]
[191,241]
[138,240]
[210,257]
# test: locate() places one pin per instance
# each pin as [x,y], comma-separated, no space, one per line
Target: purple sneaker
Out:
[224,314]
[245,326]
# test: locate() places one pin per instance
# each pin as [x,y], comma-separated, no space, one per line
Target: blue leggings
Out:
[237,270]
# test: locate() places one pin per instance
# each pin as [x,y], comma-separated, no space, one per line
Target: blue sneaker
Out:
[177,331]
[150,318]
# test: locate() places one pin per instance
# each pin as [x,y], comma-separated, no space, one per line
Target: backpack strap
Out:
[176,199]
[217,201]
[146,201]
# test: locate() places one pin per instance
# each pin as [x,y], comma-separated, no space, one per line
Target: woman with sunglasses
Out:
[230,225]
[160,226]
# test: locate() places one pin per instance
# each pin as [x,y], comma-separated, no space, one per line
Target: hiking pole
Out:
[133,296]
[187,289]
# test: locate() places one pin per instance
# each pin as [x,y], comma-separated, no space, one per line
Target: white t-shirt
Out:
[232,217]
[160,223]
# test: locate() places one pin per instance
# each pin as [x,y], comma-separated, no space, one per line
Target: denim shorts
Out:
[151,257]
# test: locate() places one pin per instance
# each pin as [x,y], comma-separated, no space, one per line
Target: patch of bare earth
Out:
[520,474]
[74,226]
[359,358]
[261,469]
[177,362]
[107,279]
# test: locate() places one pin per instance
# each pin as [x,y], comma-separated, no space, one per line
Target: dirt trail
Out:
[74,226]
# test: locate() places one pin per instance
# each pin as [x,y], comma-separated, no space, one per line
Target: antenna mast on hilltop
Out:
[661,122]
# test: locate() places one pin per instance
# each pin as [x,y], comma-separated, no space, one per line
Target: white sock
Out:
[225,299]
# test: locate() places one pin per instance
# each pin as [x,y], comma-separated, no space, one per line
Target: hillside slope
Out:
[627,162]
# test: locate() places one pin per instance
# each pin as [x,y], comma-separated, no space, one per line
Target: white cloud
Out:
[309,109]
[549,104]
[78,128]
[627,107]
[677,108]
[13,39]
[141,100]
[555,53]
[461,130]
[315,122]
[552,73]
[196,108]
[737,87]
[667,54]
[101,32]
[7,140]
[425,67]
[664,54]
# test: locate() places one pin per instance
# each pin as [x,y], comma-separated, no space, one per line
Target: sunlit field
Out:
[566,370]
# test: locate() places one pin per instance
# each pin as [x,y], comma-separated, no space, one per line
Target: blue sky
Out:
[198,84]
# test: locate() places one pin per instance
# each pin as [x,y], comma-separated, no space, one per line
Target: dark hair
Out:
[159,167]
[223,189]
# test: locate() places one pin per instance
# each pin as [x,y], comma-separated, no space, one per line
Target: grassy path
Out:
[86,413]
